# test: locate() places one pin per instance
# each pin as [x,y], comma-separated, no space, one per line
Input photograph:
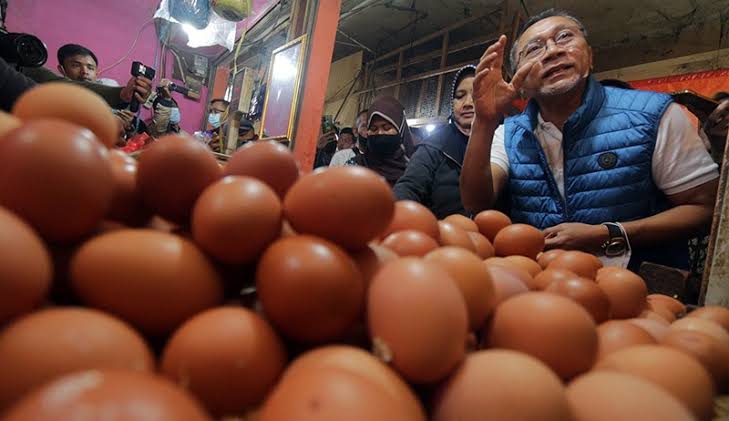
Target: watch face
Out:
[615,248]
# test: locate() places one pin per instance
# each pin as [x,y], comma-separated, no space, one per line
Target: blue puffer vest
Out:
[608,148]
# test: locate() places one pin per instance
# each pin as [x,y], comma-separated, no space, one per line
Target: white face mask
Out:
[175,116]
[214,120]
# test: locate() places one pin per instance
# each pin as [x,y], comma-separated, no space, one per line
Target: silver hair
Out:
[549,13]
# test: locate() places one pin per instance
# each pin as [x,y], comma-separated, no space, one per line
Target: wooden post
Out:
[398,73]
[443,61]
[324,19]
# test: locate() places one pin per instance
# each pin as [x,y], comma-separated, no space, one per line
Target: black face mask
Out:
[383,144]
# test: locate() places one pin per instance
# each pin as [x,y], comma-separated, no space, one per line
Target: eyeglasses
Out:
[537,47]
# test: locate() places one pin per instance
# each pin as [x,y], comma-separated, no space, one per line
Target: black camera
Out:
[139,69]
[180,89]
[23,50]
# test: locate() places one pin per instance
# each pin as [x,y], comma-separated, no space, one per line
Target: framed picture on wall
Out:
[282,90]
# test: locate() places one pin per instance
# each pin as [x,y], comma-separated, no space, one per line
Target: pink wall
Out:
[108,28]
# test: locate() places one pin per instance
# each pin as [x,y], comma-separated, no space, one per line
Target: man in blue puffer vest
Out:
[620,173]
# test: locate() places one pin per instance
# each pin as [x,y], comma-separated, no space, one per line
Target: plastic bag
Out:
[218,31]
[193,12]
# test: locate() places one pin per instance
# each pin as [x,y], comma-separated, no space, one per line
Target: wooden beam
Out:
[419,107]
[437,34]
[398,73]
[710,60]
[443,62]
[424,75]
[298,16]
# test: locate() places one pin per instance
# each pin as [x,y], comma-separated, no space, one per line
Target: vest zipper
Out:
[561,202]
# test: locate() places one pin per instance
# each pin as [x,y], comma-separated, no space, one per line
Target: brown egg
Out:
[126,201]
[349,206]
[153,280]
[331,394]
[453,235]
[672,370]
[418,319]
[409,243]
[236,218]
[716,314]
[712,354]
[310,288]
[229,358]
[501,385]
[657,329]
[25,267]
[677,308]
[490,222]
[545,258]
[506,282]
[472,278]
[361,363]
[625,289]
[513,268]
[708,327]
[484,249]
[270,162]
[411,215]
[660,309]
[57,177]
[581,263]
[615,335]
[172,173]
[463,222]
[72,103]
[49,343]
[547,276]
[519,239]
[607,396]
[652,315]
[525,263]
[8,122]
[108,395]
[552,328]
[371,259]
[585,293]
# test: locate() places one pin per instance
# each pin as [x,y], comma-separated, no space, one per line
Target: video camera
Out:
[139,69]
[173,87]
[23,50]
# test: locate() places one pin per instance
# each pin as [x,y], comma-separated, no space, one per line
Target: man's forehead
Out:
[80,58]
[545,27]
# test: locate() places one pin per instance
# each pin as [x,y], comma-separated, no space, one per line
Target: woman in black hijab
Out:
[431,177]
[389,141]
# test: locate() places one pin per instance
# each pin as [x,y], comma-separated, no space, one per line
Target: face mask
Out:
[384,144]
[214,120]
[175,116]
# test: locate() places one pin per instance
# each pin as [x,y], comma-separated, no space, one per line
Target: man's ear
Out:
[61,70]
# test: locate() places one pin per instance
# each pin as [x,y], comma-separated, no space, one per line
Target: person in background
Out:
[166,114]
[78,63]
[217,109]
[326,147]
[716,125]
[387,135]
[620,173]
[246,132]
[432,176]
[346,148]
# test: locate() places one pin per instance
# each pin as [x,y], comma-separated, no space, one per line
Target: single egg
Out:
[349,206]
[660,309]
[310,289]
[409,243]
[57,177]
[581,263]
[411,215]
[151,279]
[127,206]
[519,239]
[110,395]
[677,308]
[552,328]
[453,235]
[270,162]
[595,396]
[484,248]
[172,173]
[548,276]
[585,293]
[463,222]
[708,327]
[615,335]
[501,385]
[490,222]
[716,314]
[72,103]
[417,319]
[46,344]
[506,281]
[712,354]
[514,268]
[673,371]
[236,218]
[626,290]
[229,358]
[545,258]
[472,278]
[26,269]
[525,263]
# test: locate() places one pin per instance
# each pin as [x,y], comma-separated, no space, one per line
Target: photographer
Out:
[166,112]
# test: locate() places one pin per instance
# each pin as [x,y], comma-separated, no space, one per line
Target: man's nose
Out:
[551,50]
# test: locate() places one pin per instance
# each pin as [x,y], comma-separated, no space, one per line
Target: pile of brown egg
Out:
[172,287]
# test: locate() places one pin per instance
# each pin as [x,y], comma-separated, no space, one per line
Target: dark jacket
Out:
[432,175]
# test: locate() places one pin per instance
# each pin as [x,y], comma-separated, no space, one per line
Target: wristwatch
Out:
[616,243]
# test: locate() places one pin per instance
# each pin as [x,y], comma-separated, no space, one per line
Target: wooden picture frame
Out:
[282,90]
